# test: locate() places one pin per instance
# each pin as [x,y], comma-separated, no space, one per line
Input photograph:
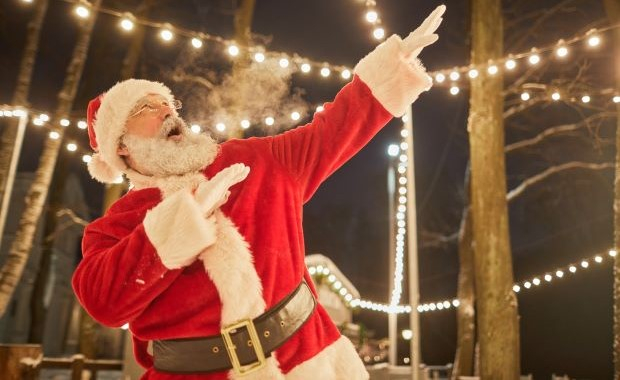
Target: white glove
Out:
[213,193]
[424,35]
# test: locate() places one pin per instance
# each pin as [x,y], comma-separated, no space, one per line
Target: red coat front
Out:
[126,276]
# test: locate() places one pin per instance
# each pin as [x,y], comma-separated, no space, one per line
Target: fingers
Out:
[415,46]
[430,24]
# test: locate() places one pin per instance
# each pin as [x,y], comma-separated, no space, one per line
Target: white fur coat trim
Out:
[230,265]
[178,230]
[395,82]
[338,361]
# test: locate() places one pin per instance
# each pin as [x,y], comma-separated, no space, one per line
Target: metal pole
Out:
[392,320]
[8,190]
[412,250]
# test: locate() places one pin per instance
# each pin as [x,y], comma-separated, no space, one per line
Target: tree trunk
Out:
[13,268]
[498,324]
[466,312]
[612,7]
[20,96]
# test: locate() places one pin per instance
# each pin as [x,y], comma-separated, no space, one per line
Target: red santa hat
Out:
[107,115]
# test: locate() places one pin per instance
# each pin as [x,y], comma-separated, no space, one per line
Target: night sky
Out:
[566,327]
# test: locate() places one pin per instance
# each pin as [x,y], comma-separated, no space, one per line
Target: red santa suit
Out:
[154,262]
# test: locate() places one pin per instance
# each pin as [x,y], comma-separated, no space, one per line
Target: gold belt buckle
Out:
[231,349]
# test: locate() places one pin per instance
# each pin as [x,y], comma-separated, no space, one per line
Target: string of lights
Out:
[448,76]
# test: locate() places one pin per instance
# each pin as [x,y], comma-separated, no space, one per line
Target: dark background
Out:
[566,327]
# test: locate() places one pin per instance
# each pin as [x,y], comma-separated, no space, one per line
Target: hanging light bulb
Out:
[561,51]
[127,22]
[269,120]
[613,253]
[516,288]
[64,122]
[86,158]
[440,78]
[295,115]
[345,74]
[454,90]
[473,73]
[572,269]
[196,43]
[71,147]
[525,96]
[245,124]
[585,99]
[82,10]
[220,127]
[493,69]
[195,128]
[259,57]
[536,281]
[54,135]
[305,67]
[372,16]
[454,75]
[283,63]
[510,64]
[82,124]
[44,117]
[378,33]
[598,259]
[556,96]
[319,108]
[534,58]
[325,72]
[594,39]
[233,50]
[616,99]
[166,33]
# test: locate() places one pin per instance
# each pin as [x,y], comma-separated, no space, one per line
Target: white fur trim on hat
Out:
[110,121]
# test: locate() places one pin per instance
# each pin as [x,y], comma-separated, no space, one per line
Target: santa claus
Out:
[204,256]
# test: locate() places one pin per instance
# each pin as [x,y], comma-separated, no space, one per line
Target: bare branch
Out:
[517,191]
[555,131]
[546,14]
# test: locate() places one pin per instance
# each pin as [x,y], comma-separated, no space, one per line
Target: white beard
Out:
[160,156]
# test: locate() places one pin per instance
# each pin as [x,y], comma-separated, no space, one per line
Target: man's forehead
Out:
[153,97]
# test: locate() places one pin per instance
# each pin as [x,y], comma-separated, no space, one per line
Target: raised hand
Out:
[214,193]
[424,35]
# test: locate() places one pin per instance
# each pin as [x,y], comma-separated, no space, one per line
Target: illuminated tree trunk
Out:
[498,324]
[19,251]
[612,7]
[20,96]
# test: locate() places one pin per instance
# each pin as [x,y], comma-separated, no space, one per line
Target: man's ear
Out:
[122,150]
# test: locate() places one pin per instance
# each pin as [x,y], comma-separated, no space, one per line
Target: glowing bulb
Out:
[562,51]
[594,40]
[440,78]
[516,288]
[555,96]
[613,253]
[44,117]
[245,124]
[26,1]
[455,75]
[295,115]
[393,150]
[220,127]
[305,68]
[82,124]
[269,120]
[404,133]
[82,11]
[71,147]
[511,64]
[325,71]
[572,269]
[378,33]
[86,158]
[548,278]
[259,57]
[404,146]
[320,108]
[534,59]
[372,16]
[586,99]
[536,281]
[456,303]
[598,259]
[473,73]
[166,35]
[38,122]
[527,285]
[284,63]
[493,69]
[559,274]
[196,43]
[454,90]
[233,50]
[127,24]
[195,128]
[345,74]
[525,96]
[54,135]
[585,264]
[64,122]
[616,99]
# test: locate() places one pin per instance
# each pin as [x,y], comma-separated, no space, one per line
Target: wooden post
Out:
[12,354]
[77,367]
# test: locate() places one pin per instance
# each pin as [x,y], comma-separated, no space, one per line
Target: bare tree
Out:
[612,7]
[20,96]
[19,251]
[498,325]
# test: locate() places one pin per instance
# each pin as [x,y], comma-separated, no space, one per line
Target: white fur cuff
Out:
[395,82]
[178,230]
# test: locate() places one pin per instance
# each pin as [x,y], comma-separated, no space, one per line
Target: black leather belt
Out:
[242,346]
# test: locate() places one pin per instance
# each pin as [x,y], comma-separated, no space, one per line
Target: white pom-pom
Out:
[100,170]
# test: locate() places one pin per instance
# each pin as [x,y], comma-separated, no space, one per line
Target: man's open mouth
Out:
[176,131]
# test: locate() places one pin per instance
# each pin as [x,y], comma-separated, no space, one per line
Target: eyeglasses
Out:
[155,107]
